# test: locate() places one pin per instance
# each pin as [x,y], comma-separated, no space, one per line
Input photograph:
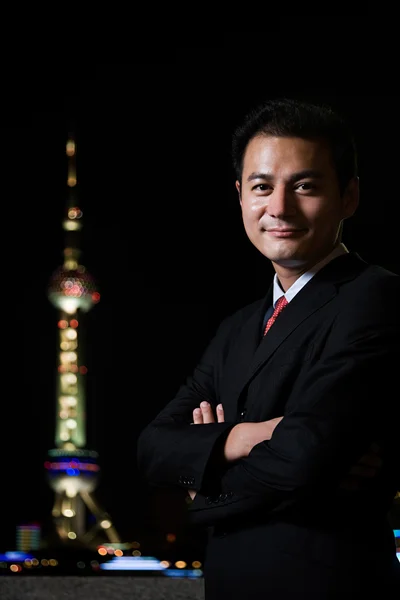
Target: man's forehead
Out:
[269,153]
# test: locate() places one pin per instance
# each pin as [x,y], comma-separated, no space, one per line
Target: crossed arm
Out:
[244,436]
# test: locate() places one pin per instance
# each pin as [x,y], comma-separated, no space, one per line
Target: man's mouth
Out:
[284,232]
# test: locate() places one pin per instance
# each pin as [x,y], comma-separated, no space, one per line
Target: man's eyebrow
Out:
[305,174]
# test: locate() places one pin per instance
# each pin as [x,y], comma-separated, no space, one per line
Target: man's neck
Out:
[287,276]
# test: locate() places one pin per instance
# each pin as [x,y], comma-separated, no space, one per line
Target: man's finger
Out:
[197,416]
[220,413]
[208,415]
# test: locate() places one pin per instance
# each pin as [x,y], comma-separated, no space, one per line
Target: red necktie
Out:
[279,306]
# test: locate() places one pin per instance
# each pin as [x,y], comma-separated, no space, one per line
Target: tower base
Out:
[78,518]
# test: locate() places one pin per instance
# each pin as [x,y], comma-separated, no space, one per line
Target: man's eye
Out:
[262,187]
[305,186]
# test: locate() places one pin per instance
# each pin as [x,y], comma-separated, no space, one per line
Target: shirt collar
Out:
[305,278]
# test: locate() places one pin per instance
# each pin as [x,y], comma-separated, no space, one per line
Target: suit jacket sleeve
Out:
[334,412]
[171,451]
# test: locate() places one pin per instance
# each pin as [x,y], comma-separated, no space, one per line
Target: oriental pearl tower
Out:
[73,469]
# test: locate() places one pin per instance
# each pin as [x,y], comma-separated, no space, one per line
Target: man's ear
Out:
[237,185]
[351,197]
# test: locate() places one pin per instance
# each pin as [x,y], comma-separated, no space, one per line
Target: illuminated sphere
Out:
[70,289]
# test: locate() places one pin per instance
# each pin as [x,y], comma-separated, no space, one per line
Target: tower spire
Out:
[73,469]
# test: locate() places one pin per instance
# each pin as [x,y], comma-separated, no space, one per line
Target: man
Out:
[294,388]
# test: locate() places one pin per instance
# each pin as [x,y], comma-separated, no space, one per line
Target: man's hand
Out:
[202,415]
[244,436]
[241,438]
[205,414]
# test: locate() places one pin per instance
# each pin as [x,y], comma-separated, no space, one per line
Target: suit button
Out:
[209,500]
[223,497]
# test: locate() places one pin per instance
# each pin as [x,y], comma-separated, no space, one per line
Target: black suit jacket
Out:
[279,517]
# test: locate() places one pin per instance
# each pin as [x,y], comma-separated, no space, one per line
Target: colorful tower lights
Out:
[72,469]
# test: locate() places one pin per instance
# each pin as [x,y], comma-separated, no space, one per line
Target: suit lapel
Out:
[252,350]
[317,292]
[300,308]
[241,355]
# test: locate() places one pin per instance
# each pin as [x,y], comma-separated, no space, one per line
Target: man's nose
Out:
[281,203]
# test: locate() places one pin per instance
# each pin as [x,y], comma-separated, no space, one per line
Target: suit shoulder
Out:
[373,294]
[382,272]
[379,280]
[238,317]
[244,312]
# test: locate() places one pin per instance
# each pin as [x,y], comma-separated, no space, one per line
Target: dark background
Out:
[163,238]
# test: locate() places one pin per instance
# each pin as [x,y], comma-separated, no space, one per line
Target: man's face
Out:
[290,200]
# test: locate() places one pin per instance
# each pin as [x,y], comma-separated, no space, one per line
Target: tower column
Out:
[72,468]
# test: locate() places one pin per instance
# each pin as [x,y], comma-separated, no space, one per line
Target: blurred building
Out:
[28,537]
[72,468]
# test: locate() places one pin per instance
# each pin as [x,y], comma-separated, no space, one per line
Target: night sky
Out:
[162,236]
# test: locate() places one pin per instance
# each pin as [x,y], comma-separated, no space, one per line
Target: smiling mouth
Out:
[284,232]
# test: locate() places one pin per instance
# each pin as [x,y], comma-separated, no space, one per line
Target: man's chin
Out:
[289,263]
[284,259]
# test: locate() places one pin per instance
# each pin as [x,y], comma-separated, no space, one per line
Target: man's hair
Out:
[296,118]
